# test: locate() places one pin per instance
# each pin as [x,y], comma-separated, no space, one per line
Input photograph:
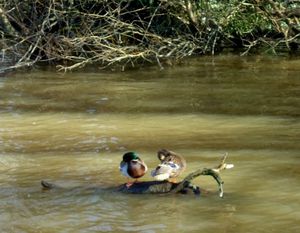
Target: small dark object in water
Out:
[46,185]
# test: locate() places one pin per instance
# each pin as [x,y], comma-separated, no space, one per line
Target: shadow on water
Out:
[73,128]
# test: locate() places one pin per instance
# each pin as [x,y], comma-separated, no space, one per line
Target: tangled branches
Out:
[75,33]
[283,18]
[78,33]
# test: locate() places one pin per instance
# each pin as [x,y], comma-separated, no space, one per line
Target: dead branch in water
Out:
[181,187]
[160,187]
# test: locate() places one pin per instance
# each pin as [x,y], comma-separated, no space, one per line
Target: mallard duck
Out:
[132,166]
[171,166]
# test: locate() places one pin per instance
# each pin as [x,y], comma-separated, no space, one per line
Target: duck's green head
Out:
[127,157]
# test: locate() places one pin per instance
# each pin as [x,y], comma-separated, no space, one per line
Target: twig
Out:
[214,172]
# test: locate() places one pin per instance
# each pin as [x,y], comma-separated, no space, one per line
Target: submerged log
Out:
[160,187]
[185,186]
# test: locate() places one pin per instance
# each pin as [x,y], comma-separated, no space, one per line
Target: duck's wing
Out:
[165,171]
[176,169]
[162,172]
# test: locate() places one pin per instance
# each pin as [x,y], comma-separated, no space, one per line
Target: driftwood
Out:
[160,187]
[182,187]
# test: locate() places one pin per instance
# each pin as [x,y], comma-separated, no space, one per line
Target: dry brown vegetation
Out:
[74,33]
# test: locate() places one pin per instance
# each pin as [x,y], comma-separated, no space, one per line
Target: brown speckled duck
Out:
[171,166]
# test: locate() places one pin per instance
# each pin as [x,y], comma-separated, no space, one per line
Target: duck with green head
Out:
[132,166]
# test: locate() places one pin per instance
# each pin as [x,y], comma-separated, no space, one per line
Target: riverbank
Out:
[72,34]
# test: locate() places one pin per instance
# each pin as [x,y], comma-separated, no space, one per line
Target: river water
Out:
[72,129]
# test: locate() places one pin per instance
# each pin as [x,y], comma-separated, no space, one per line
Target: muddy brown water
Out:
[72,129]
